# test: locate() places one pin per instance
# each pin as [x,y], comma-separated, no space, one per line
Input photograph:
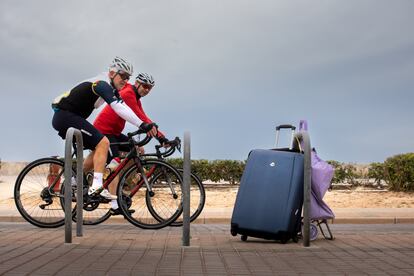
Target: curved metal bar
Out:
[68,185]
[303,138]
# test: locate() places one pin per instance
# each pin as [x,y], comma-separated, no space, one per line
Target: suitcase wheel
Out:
[284,239]
[313,232]
[243,238]
[233,232]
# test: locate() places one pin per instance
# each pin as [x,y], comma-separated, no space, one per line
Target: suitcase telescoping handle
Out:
[285,126]
[279,127]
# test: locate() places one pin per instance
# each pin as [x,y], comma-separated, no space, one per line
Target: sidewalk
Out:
[122,249]
[343,215]
[9,213]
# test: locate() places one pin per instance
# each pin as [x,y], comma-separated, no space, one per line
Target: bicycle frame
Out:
[133,155]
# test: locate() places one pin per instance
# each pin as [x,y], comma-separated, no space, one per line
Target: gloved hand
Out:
[149,128]
[162,140]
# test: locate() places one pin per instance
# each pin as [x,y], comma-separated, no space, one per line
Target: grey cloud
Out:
[226,70]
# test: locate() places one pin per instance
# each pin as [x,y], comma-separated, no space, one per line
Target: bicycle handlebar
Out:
[174,145]
[140,130]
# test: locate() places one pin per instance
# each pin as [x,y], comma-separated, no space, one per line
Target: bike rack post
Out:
[186,190]
[303,136]
[68,185]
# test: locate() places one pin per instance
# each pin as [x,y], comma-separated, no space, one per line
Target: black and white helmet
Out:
[145,78]
[120,64]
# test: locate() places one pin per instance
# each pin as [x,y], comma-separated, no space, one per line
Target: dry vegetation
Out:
[221,198]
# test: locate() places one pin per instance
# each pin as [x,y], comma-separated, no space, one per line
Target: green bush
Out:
[396,171]
[377,172]
[399,172]
[201,168]
[344,173]
[216,170]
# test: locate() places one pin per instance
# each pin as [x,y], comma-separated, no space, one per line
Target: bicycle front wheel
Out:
[197,199]
[139,204]
[37,193]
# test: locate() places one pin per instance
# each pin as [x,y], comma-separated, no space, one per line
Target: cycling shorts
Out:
[63,120]
[115,149]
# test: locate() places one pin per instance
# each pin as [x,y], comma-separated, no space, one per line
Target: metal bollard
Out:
[303,136]
[68,185]
[186,190]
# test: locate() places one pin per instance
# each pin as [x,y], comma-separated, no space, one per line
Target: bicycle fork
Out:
[145,178]
[175,196]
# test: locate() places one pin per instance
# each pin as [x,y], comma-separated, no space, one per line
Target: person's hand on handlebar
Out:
[150,129]
[164,142]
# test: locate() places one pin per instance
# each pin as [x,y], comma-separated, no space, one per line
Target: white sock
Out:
[97,180]
[114,204]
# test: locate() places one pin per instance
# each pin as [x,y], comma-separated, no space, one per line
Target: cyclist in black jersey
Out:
[74,107]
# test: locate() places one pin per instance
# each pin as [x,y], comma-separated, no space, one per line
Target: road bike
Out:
[145,185]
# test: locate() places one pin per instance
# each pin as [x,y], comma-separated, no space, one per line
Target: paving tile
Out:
[122,249]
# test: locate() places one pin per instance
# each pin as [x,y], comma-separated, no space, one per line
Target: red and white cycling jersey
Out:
[108,122]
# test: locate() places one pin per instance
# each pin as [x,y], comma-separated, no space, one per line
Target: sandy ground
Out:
[225,197]
[220,198]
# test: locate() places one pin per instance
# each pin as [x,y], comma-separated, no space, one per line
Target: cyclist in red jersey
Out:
[111,125]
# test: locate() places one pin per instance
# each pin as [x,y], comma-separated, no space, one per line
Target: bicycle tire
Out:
[197,199]
[142,217]
[32,196]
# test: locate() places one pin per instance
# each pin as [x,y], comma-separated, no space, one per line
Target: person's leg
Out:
[100,155]
[88,163]
[92,139]
[114,154]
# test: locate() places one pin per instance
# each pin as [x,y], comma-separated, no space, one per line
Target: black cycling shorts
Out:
[115,149]
[63,120]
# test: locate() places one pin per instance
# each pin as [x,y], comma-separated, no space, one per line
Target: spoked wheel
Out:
[155,209]
[313,234]
[197,199]
[96,209]
[37,192]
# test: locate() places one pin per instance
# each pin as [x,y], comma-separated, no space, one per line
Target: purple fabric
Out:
[322,174]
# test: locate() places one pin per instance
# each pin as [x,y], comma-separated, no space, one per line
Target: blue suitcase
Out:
[270,197]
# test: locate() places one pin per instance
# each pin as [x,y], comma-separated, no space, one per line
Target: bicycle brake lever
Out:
[178,144]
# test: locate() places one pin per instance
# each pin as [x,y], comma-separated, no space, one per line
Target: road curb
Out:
[221,220]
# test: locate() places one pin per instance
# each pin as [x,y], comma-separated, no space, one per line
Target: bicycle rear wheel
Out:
[37,193]
[165,182]
[197,199]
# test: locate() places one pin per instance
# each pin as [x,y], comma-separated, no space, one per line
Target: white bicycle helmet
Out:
[145,78]
[120,64]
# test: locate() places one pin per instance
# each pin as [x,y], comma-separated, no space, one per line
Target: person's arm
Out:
[135,104]
[145,117]
[108,94]
[131,101]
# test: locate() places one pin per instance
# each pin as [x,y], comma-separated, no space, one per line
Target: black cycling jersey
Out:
[83,98]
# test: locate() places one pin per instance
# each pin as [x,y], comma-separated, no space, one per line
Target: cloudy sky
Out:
[228,71]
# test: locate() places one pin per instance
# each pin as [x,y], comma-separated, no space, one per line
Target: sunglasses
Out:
[124,76]
[146,86]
